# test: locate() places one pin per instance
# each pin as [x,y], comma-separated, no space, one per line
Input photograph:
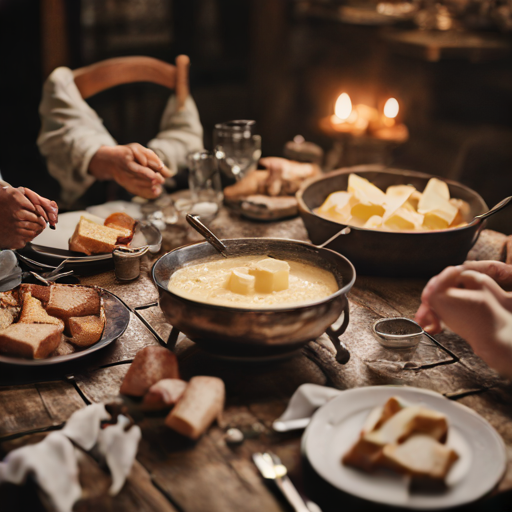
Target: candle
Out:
[347,119]
[391,109]
[389,129]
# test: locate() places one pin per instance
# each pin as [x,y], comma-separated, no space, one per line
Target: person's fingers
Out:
[140,155]
[24,215]
[22,201]
[142,172]
[41,211]
[47,209]
[497,270]
[28,234]
[34,226]
[446,279]
[428,319]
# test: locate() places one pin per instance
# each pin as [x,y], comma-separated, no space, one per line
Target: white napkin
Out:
[53,461]
[303,403]
[10,271]
[53,464]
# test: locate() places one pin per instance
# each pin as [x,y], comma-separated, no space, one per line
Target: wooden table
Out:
[174,474]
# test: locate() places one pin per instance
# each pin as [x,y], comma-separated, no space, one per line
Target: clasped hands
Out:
[134,167]
[23,215]
[471,300]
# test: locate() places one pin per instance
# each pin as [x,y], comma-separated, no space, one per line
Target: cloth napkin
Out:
[10,272]
[53,461]
[303,403]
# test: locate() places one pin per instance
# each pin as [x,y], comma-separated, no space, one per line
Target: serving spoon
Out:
[495,209]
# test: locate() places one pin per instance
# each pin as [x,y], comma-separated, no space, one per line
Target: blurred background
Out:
[282,63]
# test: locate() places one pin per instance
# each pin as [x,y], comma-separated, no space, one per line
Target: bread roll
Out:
[150,365]
[201,403]
[164,394]
[86,330]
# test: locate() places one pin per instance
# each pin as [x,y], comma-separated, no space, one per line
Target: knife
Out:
[277,473]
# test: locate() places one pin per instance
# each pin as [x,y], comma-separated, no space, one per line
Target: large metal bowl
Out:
[383,253]
[252,333]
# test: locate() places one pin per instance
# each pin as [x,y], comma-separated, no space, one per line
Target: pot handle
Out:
[344,231]
[342,352]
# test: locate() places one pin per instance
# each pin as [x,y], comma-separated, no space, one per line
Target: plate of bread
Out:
[404,447]
[87,240]
[46,325]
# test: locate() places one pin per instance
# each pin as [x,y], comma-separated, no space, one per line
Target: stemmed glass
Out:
[237,148]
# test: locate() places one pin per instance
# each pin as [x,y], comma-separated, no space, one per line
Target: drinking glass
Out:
[204,184]
[237,148]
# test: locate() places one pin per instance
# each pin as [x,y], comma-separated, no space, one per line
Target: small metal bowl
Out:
[399,332]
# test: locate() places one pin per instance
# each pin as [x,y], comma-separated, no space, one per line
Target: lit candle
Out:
[347,119]
[391,109]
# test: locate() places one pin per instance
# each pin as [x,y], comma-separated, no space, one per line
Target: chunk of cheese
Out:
[366,210]
[404,220]
[373,222]
[240,281]
[439,219]
[270,275]
[396,196]
[365,191]
[435,205]
[335,200]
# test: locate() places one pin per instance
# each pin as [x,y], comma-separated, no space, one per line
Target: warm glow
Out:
[391,108]
[343,106]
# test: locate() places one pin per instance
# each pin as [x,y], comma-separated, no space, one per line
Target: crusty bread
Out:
[86,330]
[91,238]
[120,220]
[68,301]
[37,291]
[150,365]
[33,312]
[164,394]
[31,341]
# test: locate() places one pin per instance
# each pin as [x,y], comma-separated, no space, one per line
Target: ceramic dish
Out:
[117,318]
[336,426]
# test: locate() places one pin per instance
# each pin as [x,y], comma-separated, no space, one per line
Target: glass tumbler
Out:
[204,184]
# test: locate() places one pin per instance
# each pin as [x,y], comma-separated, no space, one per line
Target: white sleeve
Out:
[71,133]
[180,133]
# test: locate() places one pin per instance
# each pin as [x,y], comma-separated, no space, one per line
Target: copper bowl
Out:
[253,333]
[382,253]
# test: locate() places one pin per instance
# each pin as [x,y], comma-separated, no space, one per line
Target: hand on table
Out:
[134,167]
[20,220]
[475,307]
[44,207]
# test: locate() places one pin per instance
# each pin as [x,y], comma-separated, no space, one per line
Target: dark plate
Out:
[117,318]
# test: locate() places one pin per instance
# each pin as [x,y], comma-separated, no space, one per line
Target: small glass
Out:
[237,148]
[204,184]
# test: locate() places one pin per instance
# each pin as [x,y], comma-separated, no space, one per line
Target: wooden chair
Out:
[103,75]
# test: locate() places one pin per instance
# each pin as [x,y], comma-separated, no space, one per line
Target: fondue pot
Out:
[256,333]
[395,254]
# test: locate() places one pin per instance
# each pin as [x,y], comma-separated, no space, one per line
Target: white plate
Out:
[336,426]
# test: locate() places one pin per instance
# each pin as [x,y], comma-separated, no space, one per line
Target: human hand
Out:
[20,221]
[475,307]
[44,207]
[134,167]
[499,271]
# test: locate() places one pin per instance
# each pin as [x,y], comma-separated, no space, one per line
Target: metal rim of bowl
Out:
[397,337]
[344,290]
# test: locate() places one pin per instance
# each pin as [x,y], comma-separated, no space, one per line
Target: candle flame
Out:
[343,106]
[391,108]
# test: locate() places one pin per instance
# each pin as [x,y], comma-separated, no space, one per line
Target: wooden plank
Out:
[101,385]
[30,407]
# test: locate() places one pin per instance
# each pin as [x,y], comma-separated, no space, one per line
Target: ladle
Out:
[496,208]
[342,352]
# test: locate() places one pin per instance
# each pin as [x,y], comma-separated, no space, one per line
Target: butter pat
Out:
[365,211]
[396,196]
[365,191]
[240,281]
[335,200]
[438,219]
[270,275]
[373,222]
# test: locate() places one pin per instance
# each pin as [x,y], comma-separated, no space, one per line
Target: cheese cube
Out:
[366,210]
[396,196]
[365,191]
[404,220]
[439,219]
[336,199]
[373,222]
[240,281]
[271,275]
[414,199]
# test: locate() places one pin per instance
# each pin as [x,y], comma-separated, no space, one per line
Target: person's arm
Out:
[20,221]
[475,307]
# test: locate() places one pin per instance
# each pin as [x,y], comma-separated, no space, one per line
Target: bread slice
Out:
[91,238]
[33,312]
[69,301]
[86,330]
[120,220]
[420,456]
[37,291]
[31,341]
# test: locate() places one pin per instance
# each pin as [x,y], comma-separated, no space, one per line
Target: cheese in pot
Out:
[253,282]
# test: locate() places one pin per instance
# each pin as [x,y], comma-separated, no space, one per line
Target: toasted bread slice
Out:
[92,238]
[120,220]
[31,341]
[33,312]
[420,456]
[164,394]
[86,330]
[67,301]
[37,291]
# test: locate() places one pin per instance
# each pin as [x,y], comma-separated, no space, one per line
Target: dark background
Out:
[280,62]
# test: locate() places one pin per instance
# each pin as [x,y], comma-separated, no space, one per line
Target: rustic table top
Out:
[174,474]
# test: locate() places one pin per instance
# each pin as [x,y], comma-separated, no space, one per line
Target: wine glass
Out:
[237,148]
